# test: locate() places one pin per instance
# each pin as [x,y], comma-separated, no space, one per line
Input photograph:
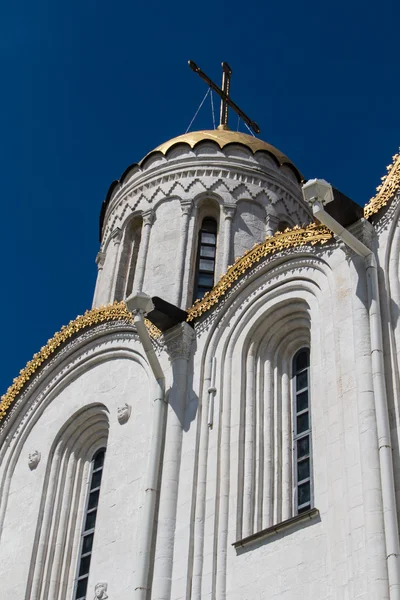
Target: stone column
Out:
[182,250]
[287,462]
[229,212]
[178,342]
[100,258]
[148,220]
[249,445]
[375,547]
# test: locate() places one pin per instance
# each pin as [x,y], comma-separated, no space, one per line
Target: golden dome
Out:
[223,137]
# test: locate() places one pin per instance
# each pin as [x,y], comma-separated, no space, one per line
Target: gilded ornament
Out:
[114,312]
[281,240]
[389,186]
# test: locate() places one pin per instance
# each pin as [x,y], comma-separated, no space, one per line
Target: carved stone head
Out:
[100,591]
[34,459]
[123,413]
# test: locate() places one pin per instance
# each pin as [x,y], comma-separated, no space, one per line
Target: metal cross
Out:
[223,93]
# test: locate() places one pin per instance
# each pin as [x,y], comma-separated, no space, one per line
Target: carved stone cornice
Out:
[178,341]
[186,183]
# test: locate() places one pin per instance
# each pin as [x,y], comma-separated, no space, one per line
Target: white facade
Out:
[227,467]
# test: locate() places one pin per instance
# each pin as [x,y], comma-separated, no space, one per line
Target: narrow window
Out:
[302,432]
[205,265]
[89,522]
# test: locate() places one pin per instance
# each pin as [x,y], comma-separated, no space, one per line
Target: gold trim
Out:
[389,185]
[223,137]
[298,236]
[114,312]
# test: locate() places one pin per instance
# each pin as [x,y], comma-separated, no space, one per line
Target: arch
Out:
[54,555]
[69,364]
[305,276]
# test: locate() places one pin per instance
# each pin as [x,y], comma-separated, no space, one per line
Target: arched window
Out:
[205,264]
[89,522]
[303,492]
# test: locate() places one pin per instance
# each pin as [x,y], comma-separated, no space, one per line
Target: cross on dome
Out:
[224,94]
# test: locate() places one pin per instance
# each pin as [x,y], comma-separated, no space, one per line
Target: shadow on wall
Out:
[184,405]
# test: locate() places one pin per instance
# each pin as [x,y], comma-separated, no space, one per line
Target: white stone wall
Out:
[219,459]
[322,559]
[227,463]
[112,374]
[248,227]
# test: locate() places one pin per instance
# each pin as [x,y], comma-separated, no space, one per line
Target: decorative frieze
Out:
[187,183]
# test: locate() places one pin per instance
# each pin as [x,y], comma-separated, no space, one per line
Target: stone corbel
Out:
[100,258]
[178,341]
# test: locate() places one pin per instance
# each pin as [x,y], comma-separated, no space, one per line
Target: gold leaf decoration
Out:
[281,240]
[389,186]
[114,312]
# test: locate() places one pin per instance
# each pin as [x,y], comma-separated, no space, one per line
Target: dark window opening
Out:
[302,432]
[89,521]
[205,263]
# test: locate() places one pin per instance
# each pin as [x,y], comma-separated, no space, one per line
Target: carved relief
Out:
[123,413]
[100,590]
[34,459]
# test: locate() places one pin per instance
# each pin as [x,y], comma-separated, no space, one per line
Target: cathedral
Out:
[224,422]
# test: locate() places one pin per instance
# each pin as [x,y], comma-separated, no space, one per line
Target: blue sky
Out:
[91,87]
